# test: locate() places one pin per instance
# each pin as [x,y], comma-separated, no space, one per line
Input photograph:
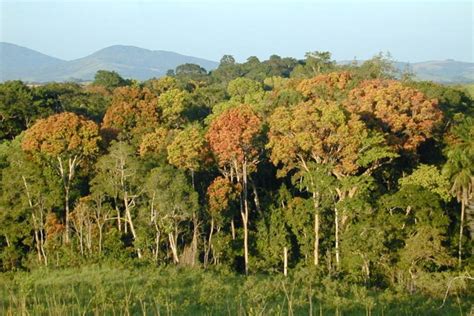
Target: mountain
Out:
[18,62]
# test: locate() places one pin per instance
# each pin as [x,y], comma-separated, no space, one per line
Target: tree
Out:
[459,168]
[20,106]
[405,114]
[315,63]
[233,138]
[243,89]
[161,85]
[220,194]
[133,111]
[330,86]
[227,60]
[66,141]
[109,79]
[323,133]
[172,201]
[189,151]
[155,143]
[381,66]
[28,195]
[118,175]
[172,105]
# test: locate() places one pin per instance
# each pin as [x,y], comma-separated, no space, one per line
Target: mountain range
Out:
[17,62]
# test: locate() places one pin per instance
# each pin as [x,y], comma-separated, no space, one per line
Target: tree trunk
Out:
[316,229]
[463,206]
[157,245]
[255,196]
[336,221]
[232,228]
[194,245]
[209,245]
[285,261]
[66,202]
[130,222]
[245,217]
[173,247]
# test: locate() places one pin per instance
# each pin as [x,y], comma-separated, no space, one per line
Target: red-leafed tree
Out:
[233,137]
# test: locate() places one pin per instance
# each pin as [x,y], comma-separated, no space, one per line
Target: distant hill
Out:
[18,62]
[442,71]
[445,71]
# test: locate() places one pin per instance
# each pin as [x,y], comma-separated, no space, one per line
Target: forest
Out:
[275,187]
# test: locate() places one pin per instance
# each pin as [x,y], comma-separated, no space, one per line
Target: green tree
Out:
[119,176]
[109,79]
[173,201]
[459,168]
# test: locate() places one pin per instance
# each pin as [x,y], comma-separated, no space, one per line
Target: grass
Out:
[105,290]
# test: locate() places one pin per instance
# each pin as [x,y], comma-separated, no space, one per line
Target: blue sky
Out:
[409,30]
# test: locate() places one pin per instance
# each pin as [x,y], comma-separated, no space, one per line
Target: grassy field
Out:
[172,291]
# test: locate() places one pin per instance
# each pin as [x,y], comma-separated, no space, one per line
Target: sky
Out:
[412,31]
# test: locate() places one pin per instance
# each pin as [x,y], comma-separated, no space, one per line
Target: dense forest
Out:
[313,181]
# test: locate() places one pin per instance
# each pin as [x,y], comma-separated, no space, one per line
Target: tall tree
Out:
[459,168]
[172,201]
[189,151]
[118,175]
[66,141]
[323,133]
[233,138]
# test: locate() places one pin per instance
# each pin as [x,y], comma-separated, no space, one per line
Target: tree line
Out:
[356,171]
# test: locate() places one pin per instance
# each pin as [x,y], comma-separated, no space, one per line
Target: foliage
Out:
[362,182]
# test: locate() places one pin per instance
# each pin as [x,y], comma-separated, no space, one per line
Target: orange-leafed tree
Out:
[233,137]
[66,141]
[405,114]
[133,112]
[318,138]
[330,86]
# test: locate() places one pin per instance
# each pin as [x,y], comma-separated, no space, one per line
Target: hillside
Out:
[445,71]
[131,62]
[17,62]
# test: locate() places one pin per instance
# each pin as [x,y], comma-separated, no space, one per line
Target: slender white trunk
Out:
[336,221]
[173,247]
[463,206]
[245,216]
[316,229]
